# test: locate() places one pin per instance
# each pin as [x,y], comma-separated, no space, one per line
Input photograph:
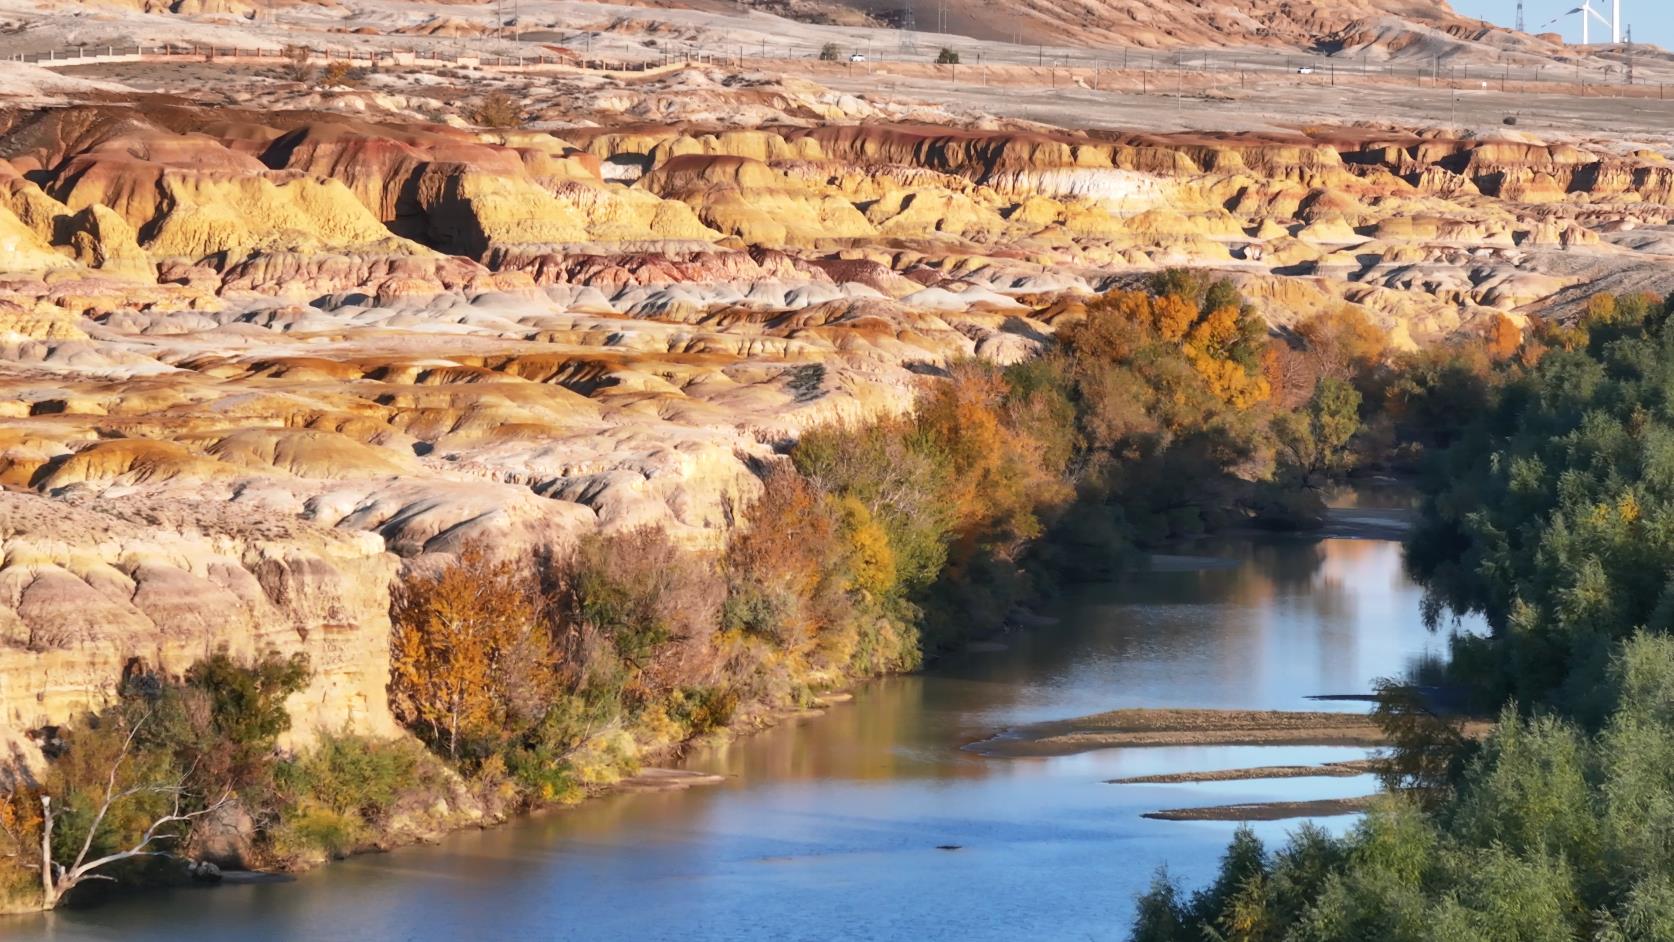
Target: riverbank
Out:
[814,813]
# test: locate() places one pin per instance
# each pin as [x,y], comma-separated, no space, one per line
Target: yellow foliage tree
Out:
[1172,317]
[872,568]
[468,652]
[1504,337]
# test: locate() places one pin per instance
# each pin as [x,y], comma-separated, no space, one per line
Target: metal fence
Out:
[87,55]
[1092,64]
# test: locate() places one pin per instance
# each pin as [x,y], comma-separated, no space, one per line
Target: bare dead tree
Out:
[57,879]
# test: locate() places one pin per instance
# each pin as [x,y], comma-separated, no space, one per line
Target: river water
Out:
[828,828]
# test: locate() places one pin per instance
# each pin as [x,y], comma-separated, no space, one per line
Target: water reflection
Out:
[828,828]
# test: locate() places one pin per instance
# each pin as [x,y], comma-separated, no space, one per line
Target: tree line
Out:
[1548,500]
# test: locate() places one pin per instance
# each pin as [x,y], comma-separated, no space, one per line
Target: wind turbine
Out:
[1586,10]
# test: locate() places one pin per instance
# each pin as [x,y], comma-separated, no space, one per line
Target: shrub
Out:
[298,67]
[354,775]
[702,710]
[830,53]
[245,716]
[312,830]
[497,110]
[338,73]
[646,598]
[947,57]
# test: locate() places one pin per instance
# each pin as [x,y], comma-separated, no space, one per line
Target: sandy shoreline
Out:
[1268,810]
[1347,769]
[1160,727]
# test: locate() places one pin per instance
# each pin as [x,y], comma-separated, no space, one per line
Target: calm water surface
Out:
[828,828]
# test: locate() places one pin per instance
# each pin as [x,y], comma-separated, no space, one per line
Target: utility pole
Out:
[1630,54]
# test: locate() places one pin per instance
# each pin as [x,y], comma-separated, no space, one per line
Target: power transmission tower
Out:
[941,16]
[908,24]
[1520,16]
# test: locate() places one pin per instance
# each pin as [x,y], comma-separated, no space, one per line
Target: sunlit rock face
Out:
[252,363]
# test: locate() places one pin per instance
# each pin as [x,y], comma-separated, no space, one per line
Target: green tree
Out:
[1313,443]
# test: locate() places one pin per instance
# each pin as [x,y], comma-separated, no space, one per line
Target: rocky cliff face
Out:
[89,587]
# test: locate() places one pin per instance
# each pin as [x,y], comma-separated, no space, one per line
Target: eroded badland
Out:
[272,329]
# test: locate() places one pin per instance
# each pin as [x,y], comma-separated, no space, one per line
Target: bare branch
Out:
[83,870]
[110,786]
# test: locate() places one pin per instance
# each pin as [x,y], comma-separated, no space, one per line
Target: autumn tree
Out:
[470,659]
[779,564]
[652,604]
[995,479]
[1503,337]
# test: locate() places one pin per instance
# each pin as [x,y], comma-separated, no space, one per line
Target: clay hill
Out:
[1390,28]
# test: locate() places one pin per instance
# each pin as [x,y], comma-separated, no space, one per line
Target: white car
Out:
[858,57]
[1305,70]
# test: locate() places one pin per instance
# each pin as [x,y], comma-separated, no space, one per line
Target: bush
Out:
[497,110]
[312,830]
[338,74]
[354,775]
[653,604]
[830,53]
[298,69]
[947,57]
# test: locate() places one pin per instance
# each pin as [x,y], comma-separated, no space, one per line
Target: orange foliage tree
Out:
[780,563]
[995,477]
[470,659]
[1503,338]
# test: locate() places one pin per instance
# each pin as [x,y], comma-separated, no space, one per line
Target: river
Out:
[830,827]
